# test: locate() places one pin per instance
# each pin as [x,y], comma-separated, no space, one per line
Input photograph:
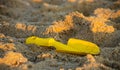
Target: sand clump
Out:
[13,59]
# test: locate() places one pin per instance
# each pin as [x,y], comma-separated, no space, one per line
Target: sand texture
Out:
[97,21]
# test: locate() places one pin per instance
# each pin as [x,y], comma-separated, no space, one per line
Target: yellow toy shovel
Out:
[74,46]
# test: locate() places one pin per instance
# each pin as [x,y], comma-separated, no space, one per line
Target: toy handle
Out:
[40,41]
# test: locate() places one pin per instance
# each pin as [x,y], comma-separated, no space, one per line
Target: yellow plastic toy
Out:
[74,46]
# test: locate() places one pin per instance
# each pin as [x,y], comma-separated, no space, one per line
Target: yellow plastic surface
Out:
[40,41]
[74,46]
[83,46]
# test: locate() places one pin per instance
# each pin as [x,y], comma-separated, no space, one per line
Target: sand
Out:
[97,21]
